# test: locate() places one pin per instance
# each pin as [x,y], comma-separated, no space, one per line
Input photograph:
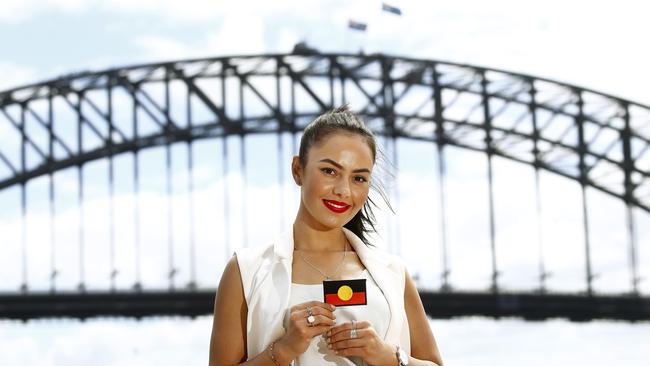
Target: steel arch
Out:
[599,140]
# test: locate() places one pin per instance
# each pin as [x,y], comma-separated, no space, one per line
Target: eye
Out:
[360,179]
[328,171]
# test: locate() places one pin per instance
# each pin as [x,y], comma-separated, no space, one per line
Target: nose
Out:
[342,188]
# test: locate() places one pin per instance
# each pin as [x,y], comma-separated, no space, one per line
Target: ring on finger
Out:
[309,313]
[311,320]
[353,331]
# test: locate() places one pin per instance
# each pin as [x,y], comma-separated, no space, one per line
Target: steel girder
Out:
[599,140]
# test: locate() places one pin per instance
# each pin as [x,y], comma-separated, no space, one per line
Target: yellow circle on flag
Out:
[345,292]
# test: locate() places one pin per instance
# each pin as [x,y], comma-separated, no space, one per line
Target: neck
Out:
[307,238]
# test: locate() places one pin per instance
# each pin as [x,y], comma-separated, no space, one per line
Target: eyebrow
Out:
[363,170]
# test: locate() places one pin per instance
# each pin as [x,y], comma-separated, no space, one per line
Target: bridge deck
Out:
[443,305]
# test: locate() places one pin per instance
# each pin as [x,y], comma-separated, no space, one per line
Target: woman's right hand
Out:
[299,333]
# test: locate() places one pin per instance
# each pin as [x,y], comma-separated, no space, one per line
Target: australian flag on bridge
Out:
[357,25]
[391,9]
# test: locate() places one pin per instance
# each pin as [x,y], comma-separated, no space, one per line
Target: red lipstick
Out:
[336,206]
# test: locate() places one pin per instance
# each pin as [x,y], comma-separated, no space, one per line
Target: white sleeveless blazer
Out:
[266,279]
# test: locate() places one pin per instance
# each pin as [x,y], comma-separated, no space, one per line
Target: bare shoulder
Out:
[423,343]
[231,276]
[230,312]
[231,289]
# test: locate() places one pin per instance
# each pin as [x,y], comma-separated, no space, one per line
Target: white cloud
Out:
[15,11]
[18,11]
[249,39]
[241,33]
[171,341]
[14,75]
[72,7]
[209,11]
[189,10]
[159,48]
[238,33]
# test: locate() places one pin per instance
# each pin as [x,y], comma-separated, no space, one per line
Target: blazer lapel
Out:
[386,281]
[377,265]
[283,249]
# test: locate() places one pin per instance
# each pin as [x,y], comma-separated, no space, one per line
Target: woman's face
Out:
[335,180]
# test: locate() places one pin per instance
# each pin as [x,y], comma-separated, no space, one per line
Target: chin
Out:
[331,222]
[337,222]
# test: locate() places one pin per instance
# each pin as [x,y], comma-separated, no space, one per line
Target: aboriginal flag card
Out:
[345,292]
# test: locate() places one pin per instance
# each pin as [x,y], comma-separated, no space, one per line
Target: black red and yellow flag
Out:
[345,292]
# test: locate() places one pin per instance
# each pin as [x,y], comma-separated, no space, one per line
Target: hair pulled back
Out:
[339,120]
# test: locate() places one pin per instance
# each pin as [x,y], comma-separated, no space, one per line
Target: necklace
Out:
[338,268]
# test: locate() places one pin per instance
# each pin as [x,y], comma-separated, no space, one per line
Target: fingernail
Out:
[329,346]
[333,307]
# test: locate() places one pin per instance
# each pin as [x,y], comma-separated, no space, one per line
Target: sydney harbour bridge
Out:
[56,132]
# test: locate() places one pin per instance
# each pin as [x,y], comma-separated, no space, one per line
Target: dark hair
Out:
[341,119]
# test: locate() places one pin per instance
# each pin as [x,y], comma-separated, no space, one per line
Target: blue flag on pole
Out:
[357,25]
[391,9]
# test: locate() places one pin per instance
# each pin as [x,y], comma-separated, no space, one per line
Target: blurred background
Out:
[142,141]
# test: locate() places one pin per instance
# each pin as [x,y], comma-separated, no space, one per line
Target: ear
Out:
[296,170]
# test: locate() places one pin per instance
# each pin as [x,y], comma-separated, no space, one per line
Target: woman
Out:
[268,308]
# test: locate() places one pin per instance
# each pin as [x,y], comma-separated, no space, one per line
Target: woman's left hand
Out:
[368,344]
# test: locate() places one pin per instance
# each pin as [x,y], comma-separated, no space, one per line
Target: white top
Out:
[376,312]
[266,278]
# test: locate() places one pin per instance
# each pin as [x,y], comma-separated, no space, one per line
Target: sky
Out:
[595,44]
